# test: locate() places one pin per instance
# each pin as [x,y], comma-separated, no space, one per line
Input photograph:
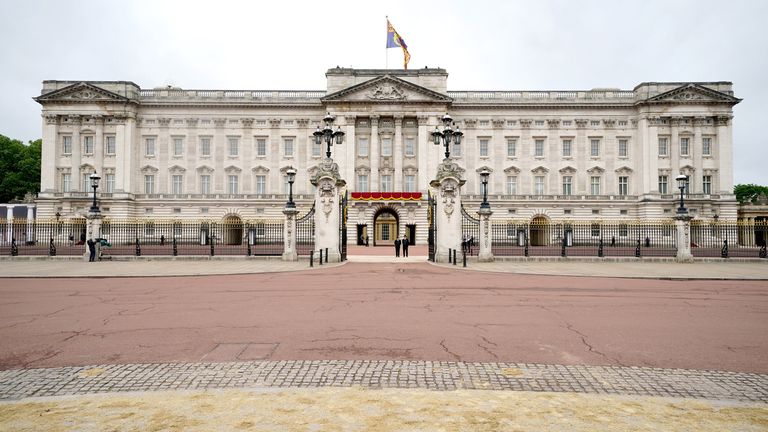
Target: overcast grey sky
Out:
[484,45]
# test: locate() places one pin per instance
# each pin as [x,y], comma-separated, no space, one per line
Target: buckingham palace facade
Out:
[596,154]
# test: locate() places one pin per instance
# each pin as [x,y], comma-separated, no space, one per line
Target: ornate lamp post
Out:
[682,184]
[95,184]
[484,174]
[328,135]
[448,135]
[291,172]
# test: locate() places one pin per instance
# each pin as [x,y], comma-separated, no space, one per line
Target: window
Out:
[664,146]
[232,146]
[109,144]
[261,146]
[88,144]
[595,230]
[663,180]
[538,123]
[362,147]
[205,184]
[261,184]
[511,147]
[86,182]
[623,185]
[204,210]
[594,185]
[178,146]
[66,182]
[386,146]
[594,148]
[623,148]
[567,148]
[483,147]
[539,185]
[566,123]
[706,184]
[484,122]
[149,229]
[538,149]
[149,147]
[622,212]
[511,185]
[684,146]
[205,146]
[317,149]
[456,150]
[109,183]
[232,184]
[149,184]
[410,146]
[66,144]
[386,183]
[595,212]
[706,146]
[288,147]
[410,183]
[176,183]
[362,183]
[567,185]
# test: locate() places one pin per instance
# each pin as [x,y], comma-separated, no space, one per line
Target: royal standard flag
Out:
[394,41]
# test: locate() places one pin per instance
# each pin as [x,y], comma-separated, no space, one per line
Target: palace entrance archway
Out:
[386,227]
[539,231]
[233,230]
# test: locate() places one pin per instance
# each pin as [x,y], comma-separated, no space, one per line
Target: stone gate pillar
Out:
[485,255]
[683,228]
[93,232]
[327,216]
[447,186]
[289,235]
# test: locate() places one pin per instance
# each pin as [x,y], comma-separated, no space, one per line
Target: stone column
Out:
[30,222]
[447,188]
[51,151]
[289,235]
[421,152]
[397,181]
[674,148]
[486,254]
[327,196]
[373,181]
[724,152]
[350,140]
[683,228]
[77,145]
[9,227]
[98,146]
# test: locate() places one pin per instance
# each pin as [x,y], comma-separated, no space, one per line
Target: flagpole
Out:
[386,49]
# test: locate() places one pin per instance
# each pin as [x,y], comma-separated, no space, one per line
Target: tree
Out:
[19,168]
[748,193]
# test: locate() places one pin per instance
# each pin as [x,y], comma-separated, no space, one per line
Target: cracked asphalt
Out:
[402,311]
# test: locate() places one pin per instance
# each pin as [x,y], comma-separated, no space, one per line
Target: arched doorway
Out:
[539,231]
[385,227]
[233,230]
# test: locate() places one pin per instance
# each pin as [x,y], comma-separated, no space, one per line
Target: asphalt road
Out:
[385,311]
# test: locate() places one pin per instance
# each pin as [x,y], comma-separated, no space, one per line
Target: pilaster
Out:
[373,181]
[398,155]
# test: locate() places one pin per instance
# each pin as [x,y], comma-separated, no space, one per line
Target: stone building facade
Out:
[553,155]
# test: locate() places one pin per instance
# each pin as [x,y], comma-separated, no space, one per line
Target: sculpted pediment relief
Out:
[386,89]
[512,170]
[567,170]
[693,93]
[81,92]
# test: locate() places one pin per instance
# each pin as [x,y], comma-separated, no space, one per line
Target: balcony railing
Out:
[591,96]
[162,95]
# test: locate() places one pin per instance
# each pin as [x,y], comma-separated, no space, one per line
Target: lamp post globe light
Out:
[447,135]
[682,184]
[328,135]
[484,174]
[95,184]
[291,173]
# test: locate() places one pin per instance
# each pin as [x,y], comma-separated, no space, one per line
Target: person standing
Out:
[397,247]
[406,243]
[91,250]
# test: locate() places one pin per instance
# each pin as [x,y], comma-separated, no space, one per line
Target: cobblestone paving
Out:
[680,383]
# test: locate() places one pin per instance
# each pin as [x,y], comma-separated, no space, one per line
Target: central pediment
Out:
[693,94]
[81,92]
[386,89]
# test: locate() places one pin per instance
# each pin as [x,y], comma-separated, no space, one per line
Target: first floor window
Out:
[66,144]
[232,184]
[110,144]
[483,147]
[109,183]
[149,147]
[261,184]
[317,148]
[178,146]
[149,184]
[456,150]
[663,180]
[623,148]
[205,146]
[706,146]
[176,183]
[410,146]
[205,184]
[66,182]
[623,185]
[594,148]
[567,148]
[539,185]
[567,185]
[386,183]
[663,146]
[261,146]
[362,147]
[684,146]
[410,183]
[706,184]
[362,183]
[86,182]
[594,185]
[288,147]
[538,148]
[511,185]
[511,147]
[386,147]
[88,144]
[233,145]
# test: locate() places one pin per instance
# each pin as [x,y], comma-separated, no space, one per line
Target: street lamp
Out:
[447,135]
[291,172]
[484,174]
[682,184]
[328,135]
[95,184]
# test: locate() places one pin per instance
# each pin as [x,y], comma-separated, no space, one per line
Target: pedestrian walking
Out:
[397,247]
[406,243]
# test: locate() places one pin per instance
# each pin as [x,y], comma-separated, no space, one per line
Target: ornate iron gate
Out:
[432,235]
[343,226]
[470,232]
[305,233]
